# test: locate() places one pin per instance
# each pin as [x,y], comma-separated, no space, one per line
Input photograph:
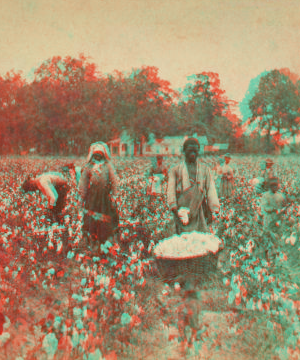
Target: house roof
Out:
[114,141]
[178,138]
[221,146]
[202,139]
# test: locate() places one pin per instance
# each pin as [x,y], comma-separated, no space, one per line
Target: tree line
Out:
[70,103]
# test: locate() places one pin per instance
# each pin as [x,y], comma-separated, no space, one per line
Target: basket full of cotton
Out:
[186,255]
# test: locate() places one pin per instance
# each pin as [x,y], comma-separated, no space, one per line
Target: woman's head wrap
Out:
[227,156]
[99,148]
[190,141]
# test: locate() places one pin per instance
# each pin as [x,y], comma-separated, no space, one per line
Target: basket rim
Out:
[159,257]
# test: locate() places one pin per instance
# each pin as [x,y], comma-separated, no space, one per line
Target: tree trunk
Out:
[268,139]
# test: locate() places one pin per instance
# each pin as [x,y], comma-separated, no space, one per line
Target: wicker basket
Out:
[199,267]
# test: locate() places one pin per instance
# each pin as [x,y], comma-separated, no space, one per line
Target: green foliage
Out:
[205,109]
[275,106]
[71,104]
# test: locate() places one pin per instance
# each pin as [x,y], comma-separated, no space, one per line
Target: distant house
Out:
[123,146]
[216,147]
[31,151]
[168,146]
[290,142]
[171,145]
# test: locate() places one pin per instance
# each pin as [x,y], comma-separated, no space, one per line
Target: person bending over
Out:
[55,187]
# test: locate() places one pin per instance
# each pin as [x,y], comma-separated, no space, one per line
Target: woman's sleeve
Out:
[84,183]
[48,190]
[114,179]
[284,200]
[212,197]
[78,171]
[150,172]
[171,190]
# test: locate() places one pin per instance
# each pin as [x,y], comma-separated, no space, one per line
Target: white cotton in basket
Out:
[183,213]
[188,245]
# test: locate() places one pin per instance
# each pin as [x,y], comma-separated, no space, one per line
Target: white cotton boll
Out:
[177,286]
[7,323]
[293,239]
[59,246]
[4,337]
[96,355]
[254,182]
[183,213]
[75,338]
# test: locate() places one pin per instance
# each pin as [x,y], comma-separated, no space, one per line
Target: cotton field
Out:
[59,300]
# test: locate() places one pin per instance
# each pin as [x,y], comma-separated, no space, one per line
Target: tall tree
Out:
[141,102]
[205,109]
[11,134]
[275,107]
[68,96]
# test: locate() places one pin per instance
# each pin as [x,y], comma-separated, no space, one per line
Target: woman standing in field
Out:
[97,186]
[156,175]
[272,202]
[217,171]
[227,179]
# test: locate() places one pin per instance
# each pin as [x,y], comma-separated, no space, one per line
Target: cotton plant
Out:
[5,324]
[50,344]
[95,355]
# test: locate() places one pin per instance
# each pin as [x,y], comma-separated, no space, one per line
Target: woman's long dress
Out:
[96,185]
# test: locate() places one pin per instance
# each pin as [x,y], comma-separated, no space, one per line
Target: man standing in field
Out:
[191,186]
[156,177]
[267,173]
[272,203]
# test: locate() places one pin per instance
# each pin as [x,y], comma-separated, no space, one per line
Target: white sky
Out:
[239,39]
